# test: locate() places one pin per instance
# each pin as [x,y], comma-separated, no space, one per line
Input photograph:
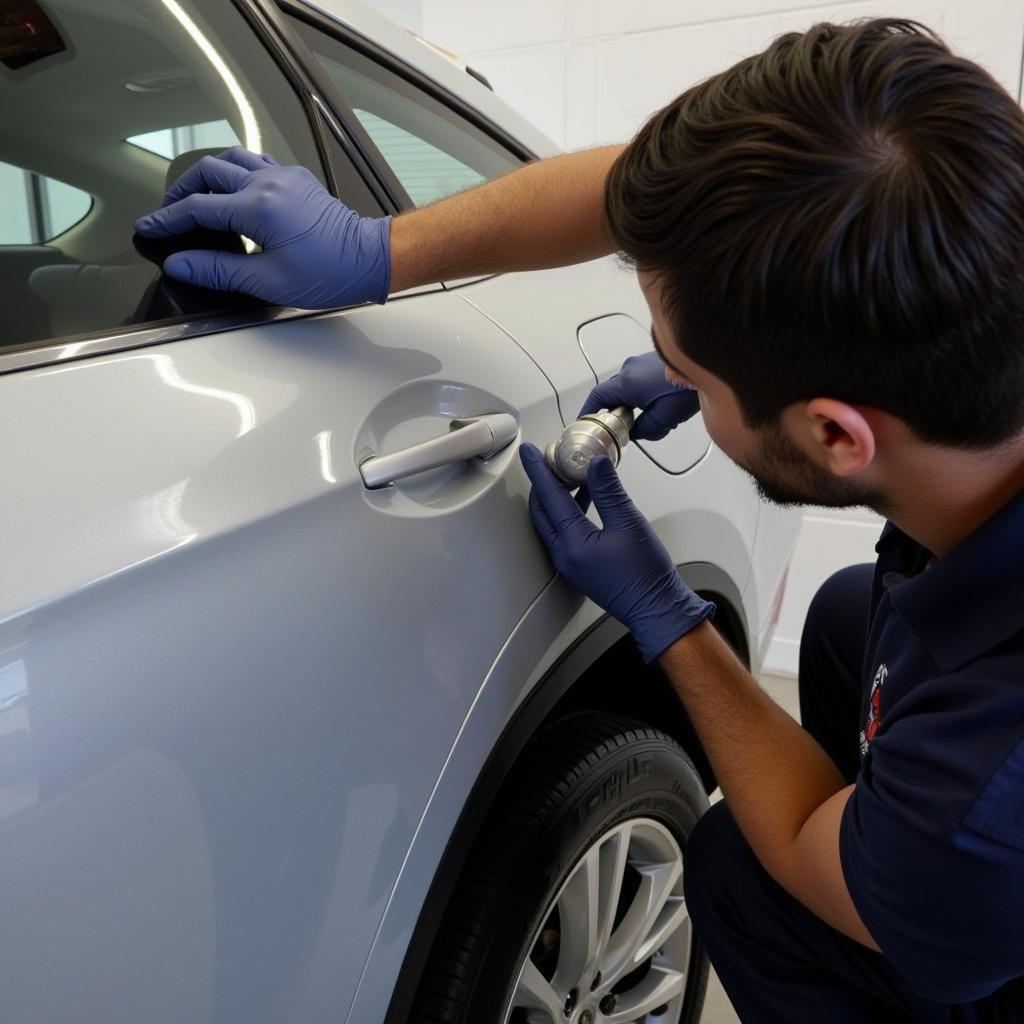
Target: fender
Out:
[708,580]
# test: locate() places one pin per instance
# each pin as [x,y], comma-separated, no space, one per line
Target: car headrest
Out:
[183,161]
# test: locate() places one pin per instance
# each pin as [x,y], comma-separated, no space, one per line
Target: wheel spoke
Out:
[660,985]
[535,993]
[579,914]
[669,918]
[614,858]
[642,918]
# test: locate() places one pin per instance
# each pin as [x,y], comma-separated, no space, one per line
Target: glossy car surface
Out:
[245,700]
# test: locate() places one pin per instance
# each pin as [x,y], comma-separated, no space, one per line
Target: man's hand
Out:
[642,384]
[624,567]
[317,253]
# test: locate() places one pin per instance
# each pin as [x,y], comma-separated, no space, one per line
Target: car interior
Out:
[76,87]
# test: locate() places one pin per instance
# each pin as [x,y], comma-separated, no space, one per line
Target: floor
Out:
[717,1008]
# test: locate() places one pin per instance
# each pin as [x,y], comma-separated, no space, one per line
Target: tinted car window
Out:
[431,150]
[101,102]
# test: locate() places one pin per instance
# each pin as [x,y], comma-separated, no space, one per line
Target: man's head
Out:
[831,238]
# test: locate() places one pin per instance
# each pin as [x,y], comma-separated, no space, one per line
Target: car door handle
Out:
[472,438]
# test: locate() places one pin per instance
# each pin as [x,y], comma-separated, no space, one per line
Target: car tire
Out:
[592,793]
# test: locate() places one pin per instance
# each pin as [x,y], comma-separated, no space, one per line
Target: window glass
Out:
[432,151]
[36,208]
[172,142]
[93,126]
[426,172]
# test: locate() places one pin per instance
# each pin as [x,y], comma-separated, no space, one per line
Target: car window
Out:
[431,150]
[36,208]
[426,172]
[102,103]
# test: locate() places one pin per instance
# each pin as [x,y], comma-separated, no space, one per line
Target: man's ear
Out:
[838,436]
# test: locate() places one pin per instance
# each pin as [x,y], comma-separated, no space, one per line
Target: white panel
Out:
[989,32]
[641,72]
[610,17]
[533,82]
[825,546]
[581,96]
[847,515]
[464,26]
[783,658]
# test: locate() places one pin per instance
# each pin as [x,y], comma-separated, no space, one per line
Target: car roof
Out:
[410,49]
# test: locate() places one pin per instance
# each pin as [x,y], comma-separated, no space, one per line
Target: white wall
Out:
[590,71]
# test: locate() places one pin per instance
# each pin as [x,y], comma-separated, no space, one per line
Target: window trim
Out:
[309,90]
[73,347]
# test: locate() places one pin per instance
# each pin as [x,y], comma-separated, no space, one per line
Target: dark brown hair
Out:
[841,215]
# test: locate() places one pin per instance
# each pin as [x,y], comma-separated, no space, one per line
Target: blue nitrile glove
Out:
[641,384]
[624,567]
[317,253]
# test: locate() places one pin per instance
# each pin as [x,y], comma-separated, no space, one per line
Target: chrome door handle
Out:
[475,437]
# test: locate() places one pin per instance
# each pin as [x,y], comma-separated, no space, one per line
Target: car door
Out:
[230,671]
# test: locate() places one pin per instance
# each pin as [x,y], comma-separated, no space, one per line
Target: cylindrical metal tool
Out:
[602,433]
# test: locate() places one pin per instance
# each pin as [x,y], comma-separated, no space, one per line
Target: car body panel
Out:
[229,650]
[548,323]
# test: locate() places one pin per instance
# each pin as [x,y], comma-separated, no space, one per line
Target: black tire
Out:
[582,776]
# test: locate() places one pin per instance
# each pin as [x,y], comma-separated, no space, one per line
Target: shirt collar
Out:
[972,598]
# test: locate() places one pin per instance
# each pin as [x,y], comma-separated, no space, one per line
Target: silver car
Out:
[277,745]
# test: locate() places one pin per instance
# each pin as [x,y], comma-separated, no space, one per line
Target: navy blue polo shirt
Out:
[932,838]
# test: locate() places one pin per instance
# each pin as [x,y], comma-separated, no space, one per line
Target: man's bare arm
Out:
[546,214]
[784,791]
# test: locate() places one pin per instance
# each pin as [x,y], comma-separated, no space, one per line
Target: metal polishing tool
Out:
[601,433]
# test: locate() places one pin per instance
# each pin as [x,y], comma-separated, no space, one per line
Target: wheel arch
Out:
[584,676]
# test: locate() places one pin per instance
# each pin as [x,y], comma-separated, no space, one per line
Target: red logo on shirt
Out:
[874,708]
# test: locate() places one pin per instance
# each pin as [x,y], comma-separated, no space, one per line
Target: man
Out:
[830,236]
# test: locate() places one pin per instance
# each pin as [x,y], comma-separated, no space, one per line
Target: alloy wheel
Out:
[614,944]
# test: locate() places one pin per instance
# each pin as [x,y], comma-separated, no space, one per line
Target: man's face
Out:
[781,471]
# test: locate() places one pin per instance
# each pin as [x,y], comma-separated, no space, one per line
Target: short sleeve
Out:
[943,899]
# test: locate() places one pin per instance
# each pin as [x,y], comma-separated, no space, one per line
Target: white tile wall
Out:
[589,71]
[467,26]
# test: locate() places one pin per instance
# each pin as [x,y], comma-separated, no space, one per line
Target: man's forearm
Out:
[546,214]
[773,774]
[784,791]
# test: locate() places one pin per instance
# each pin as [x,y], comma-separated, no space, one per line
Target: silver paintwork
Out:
[71,349]
[243,698]
[593,956]
[476,437]
[602,433]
